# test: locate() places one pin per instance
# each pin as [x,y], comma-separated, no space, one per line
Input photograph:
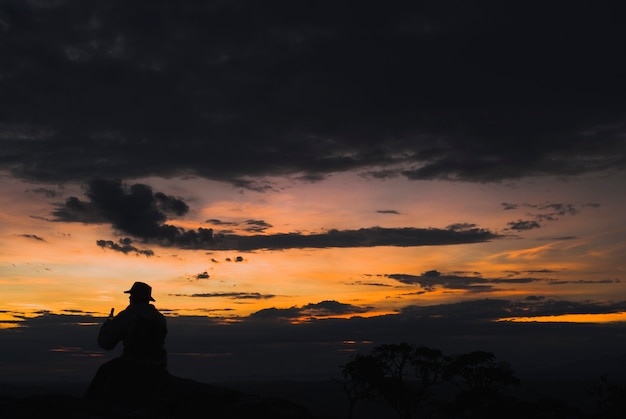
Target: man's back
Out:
[143,365]
[145,338]
[142,329]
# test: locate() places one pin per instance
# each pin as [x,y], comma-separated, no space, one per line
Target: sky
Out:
[308,179]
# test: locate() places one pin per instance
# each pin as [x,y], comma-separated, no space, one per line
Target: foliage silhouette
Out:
[360,380]
[405,377]
[409,375]
[480,378]
[610,399]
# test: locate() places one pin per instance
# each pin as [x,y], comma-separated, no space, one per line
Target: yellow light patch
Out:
[570,318]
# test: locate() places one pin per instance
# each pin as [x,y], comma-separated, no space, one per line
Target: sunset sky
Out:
[300,164]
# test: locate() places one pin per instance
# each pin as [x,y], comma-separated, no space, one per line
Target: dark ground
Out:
[322,399]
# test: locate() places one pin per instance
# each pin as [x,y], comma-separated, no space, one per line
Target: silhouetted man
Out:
[142,329]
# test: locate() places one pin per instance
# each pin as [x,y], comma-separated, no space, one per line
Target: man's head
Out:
[141,292]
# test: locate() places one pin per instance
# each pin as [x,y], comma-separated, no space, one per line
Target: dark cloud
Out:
[462,227]
[431,280]
[330,308]
[494,309]
[48,193]
[75,210]
[552,212]
[521,225]
[585,281]
[276,314]
[237,259]
[558,208]
[387,212]
[560,238]
[203,275]
[233,295]
[235,91]
[47,346]
[33,236]
[553,307]
[257,226]
[138,211]
[250,226]
[542,213]
[364,237]
[125,246]
[327,308]
[540,271]
[75,311]
[133,209]
[217,222]
[369,284]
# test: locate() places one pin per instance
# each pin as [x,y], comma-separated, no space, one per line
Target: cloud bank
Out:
[271,344]
[431,280]
[138,211]
[235,91]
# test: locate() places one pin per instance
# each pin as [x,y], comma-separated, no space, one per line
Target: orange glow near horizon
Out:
[57,266]
[570,318]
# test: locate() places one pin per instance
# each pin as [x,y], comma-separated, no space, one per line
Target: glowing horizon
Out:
[57,266]
[571,318]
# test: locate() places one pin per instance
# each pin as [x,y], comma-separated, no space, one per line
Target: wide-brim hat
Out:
[141,290]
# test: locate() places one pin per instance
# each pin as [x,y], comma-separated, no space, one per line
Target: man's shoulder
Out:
[154,309]
[125,313]
[145,310]
[158,314]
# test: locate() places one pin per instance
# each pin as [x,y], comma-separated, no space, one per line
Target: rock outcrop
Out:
[172,398]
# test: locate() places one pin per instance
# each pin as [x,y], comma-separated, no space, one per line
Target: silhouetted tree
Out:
[400,374]
[481,378]
[361,378]
[410,374]
[405,376]
[610,399]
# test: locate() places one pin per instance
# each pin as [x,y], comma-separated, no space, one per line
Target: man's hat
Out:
[141,290]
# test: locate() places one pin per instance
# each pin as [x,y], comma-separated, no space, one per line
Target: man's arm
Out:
[112,331]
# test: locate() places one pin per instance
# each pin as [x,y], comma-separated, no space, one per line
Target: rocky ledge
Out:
[176,398]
